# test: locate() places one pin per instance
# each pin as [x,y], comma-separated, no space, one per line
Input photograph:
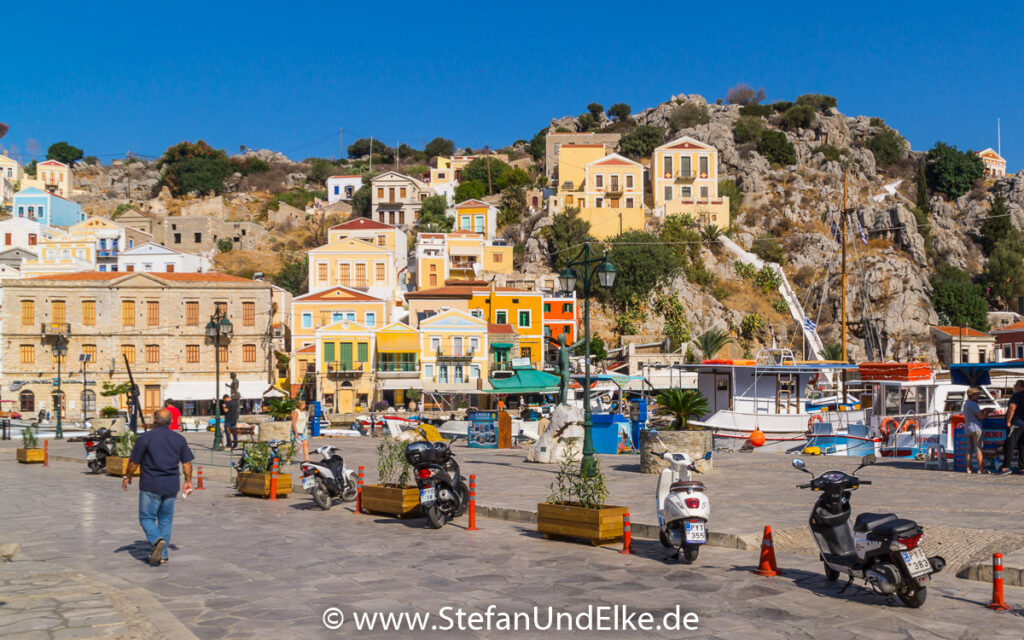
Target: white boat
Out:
[774,394]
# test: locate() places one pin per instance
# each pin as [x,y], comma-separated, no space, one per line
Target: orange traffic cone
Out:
[998,603]
[767,566]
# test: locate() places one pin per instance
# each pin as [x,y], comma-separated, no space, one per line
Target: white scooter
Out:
[329,478]
[683,506]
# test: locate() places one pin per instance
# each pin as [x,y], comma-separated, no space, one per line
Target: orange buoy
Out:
[757,438]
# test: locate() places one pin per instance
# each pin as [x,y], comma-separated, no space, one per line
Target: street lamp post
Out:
[218,326]
[567,279]
[60,349]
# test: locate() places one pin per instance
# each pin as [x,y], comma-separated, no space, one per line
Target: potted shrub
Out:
[576,506]
[30,453]
[392,495]
[117,464]
[258,460]
[280,425]
[109,412]
[679,405]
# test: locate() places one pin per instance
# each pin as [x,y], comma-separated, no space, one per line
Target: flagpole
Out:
[843,284]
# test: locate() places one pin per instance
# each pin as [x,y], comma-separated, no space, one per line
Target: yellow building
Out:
[995,164]
[453,352]
[476,216]
[61,254]
[53,176]
[447,169]
[314,311]
[343,366]
[397,363]
[355,263]
[10,177]
[607,189]
[685,181]
[377,234]
[444,257]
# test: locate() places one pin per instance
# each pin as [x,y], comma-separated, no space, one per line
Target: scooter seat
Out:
[871,521]
[896,528]
[686,485]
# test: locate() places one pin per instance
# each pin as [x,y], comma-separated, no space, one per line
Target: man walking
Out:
[158,452]
[973,415]
[1014,430]
[175,414]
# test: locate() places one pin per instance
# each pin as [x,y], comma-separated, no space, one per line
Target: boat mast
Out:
[843,283]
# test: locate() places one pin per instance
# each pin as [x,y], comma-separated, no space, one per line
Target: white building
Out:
[342,188]
[151,257]
[397,199]
[23,233]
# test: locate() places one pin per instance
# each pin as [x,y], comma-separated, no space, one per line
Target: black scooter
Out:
[98,446]
[444,493]
[880,548]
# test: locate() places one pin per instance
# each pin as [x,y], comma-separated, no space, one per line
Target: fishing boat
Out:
[774,394]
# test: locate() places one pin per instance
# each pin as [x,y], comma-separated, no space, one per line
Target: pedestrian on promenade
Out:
[158,452]
[300,427]
[229,412]
[973,415]
[1014,443]
[175,414]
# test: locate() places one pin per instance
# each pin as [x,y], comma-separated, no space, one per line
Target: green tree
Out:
[923,202]
[470,190]
[688,114]
[1004,272]
[564,235]
[595,110]
[711,342]
[64,152]
[361,147]
[294,276]
[951,171]
[440,147]
[513,178]
[643,264]
[776,147]
[538,145]
[958,301]
[818,101]
[768,248]
[887,146]
[620,111]
[195,168]
[434,217]
[362,202]
[512,205]
[486,171]
[751,326]
[799,116]
[320,169]
[747,129]
[30,168]
[597,348]
[997,226]
[757,110]
[641,142]
[832,352]
[585,121]
[684,404]
[729,189]
[224,245]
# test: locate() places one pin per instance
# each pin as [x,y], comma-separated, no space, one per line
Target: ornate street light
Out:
[568,279]
[60,349]
[219,326]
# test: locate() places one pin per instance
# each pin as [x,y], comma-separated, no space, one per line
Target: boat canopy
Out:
[978,374]
[525,381]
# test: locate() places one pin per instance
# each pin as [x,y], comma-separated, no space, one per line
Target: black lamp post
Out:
[567,279]
[60,349]
[218,326]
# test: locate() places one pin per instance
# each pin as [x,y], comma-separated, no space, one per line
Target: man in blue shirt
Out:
[159,452]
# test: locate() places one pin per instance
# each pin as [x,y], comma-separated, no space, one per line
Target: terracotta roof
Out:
[330,294]
[350,176]
[97,276]
[965,332]
[501,329]
[614,161]
[1016,326]
[362,223]
[81,275]
[309,348]
[447,291]
[472,203]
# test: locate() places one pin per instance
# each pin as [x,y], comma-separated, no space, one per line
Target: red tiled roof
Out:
[501,329]
[614,161]
[962,332]
[362,223]
[345,177]
[472,203]
[81,275]
[1016,326]
[447,291]
[309,348]
[328,295]
[96,276]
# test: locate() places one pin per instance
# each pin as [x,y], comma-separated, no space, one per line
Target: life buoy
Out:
[910,425]
[810,421]
[888,427]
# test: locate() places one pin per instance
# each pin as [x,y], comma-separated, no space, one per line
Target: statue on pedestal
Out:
[233,386]
[563,370]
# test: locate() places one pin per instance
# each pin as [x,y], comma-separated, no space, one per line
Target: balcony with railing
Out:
[392,368]
[454,353]
[48,329]
[345,369]
[685,177]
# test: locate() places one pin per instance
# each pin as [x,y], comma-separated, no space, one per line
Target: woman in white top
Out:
[300,427]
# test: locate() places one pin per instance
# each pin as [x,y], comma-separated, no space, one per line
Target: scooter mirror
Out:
[868,460]
[653,432]
[707,456]
[799,464]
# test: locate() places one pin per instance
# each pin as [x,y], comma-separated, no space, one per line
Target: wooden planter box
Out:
[401,502]
[600,526]
[118,466]
[258,484]
[30,456]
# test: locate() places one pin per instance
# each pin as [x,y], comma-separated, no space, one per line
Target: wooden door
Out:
[151,401]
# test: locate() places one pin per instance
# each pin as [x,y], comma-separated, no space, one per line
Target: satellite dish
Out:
[3,129]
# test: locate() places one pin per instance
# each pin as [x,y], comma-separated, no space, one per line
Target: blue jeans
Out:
[156,512]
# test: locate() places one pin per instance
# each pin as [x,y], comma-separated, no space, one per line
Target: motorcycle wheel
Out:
[690,552]
[349,494]
[320,495]
[912,595]
[463,497]
[830,574]
[94,465]
[665,542]
[435,516]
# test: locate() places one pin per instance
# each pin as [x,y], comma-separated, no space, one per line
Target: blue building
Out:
[46,208]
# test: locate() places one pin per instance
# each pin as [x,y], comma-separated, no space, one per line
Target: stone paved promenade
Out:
[249,568]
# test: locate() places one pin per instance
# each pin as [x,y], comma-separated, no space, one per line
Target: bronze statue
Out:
[563,369]
[233,385]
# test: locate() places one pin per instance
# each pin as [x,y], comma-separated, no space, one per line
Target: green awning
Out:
[525,381]
[501,345]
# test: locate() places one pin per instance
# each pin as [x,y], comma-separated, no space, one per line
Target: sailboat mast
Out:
[843,283]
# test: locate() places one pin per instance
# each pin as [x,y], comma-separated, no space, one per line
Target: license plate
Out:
[90,455]
[916,562]
[427,495]
[696,533]
[308,482]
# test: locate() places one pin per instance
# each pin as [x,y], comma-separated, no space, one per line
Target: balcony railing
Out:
[397,367]
[685,178]
[55,329]
[345,369]
[107,253]
[454,354]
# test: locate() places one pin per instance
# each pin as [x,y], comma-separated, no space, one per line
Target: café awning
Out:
[978,374]
[525,381]
[207,390]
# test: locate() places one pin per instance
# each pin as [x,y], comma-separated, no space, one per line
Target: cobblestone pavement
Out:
[248,568]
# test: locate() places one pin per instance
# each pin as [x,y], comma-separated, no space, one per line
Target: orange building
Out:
[559,317]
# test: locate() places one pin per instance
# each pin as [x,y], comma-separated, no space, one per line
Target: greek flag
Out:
[810,325]
[863,234]
[836,232]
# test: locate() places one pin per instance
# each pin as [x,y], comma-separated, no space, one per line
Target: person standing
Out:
[1014,430]
[973,415]
[300,427]
[175,415]
[229,413]
[158,452]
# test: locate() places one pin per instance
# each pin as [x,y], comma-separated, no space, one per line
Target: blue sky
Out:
[114,77]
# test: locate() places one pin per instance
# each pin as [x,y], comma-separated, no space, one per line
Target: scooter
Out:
[444,493]
[683,506]
[98,446]
[245,462]
[882,549]
[329,478]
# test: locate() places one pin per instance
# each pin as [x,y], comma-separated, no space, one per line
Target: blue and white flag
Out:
[836,232]
[810,325]
[863,234]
